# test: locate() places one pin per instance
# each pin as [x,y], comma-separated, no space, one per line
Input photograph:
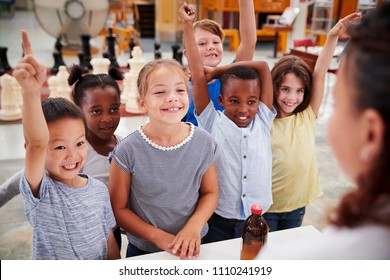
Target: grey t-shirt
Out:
[69,222]
[164,189]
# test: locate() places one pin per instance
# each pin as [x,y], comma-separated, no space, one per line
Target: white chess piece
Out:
[100,65]
[63,89]
[10,109]
[17,89]
[52,83]
[126,87]
[131,98]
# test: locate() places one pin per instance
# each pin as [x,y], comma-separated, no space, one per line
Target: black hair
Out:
[238,72]
[91,81]
[60,108]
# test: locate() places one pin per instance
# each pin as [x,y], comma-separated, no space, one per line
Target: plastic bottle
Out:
[254,233]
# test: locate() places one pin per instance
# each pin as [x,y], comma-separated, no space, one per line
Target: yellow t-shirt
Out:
[295,180]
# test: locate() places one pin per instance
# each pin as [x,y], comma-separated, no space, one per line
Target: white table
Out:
[231,249]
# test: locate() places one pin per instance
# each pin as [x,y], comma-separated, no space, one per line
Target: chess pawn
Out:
[10,110]
[136,63]
[126,87]
[17,89]
[63,89]
[52,82]
[100,65]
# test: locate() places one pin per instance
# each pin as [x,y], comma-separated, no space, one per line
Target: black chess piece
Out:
[3,59]
[177,54]
[131,46]
[84,67]
[157,52]
[2,70]
[86,50]
[111,48]
[57,55]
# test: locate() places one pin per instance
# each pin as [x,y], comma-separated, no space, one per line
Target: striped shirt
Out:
[69,222]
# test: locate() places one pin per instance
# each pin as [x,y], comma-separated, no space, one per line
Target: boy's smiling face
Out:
[67,150]
[240,100]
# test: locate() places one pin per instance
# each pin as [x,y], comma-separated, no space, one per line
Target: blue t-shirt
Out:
[214,91]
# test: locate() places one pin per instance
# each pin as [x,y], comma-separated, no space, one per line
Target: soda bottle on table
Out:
[254,233]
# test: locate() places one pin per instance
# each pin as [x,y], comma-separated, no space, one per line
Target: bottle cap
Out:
[256,209]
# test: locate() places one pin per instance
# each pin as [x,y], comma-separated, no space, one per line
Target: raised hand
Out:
[342,25]
[29,72]
[187,13]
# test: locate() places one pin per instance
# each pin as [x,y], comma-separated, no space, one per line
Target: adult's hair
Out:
[61,108]
[151,67]
[292,64]
[238,72]
[367,58]
[92,81]
[209,25]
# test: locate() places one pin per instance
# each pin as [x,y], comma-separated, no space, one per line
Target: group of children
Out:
[172,184]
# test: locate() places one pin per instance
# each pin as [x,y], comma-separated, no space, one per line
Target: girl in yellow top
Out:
[298,95]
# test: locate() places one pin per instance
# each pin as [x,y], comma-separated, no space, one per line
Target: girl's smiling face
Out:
[290,95]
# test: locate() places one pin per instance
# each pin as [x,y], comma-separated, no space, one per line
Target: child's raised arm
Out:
[31,74]
[247,29]
[198,77]
[325,57]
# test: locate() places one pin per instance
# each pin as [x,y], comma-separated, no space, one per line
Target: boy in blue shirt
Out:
[242,130]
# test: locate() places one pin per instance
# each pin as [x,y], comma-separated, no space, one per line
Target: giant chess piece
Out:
[17,91]
[57,55]
[177,54]
[86,51]
[131,46]
[111,49]
[4,65]
[52,83]
[10,105]
[63,89]
[157,52]
[83,67]
[100,65]
[130,96]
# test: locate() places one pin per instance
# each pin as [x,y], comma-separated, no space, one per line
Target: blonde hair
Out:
[151,67]
[209,25]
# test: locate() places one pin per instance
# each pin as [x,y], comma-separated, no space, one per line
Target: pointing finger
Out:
[26,43]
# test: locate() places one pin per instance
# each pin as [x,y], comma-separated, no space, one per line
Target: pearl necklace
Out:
[169,148]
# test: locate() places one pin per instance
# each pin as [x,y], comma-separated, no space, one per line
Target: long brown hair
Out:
[367,57]
[295,65]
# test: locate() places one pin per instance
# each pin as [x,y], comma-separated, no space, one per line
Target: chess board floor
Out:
[15,231]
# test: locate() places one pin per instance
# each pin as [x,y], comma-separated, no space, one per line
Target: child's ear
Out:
[141,104]
[185,52]
[220,100]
